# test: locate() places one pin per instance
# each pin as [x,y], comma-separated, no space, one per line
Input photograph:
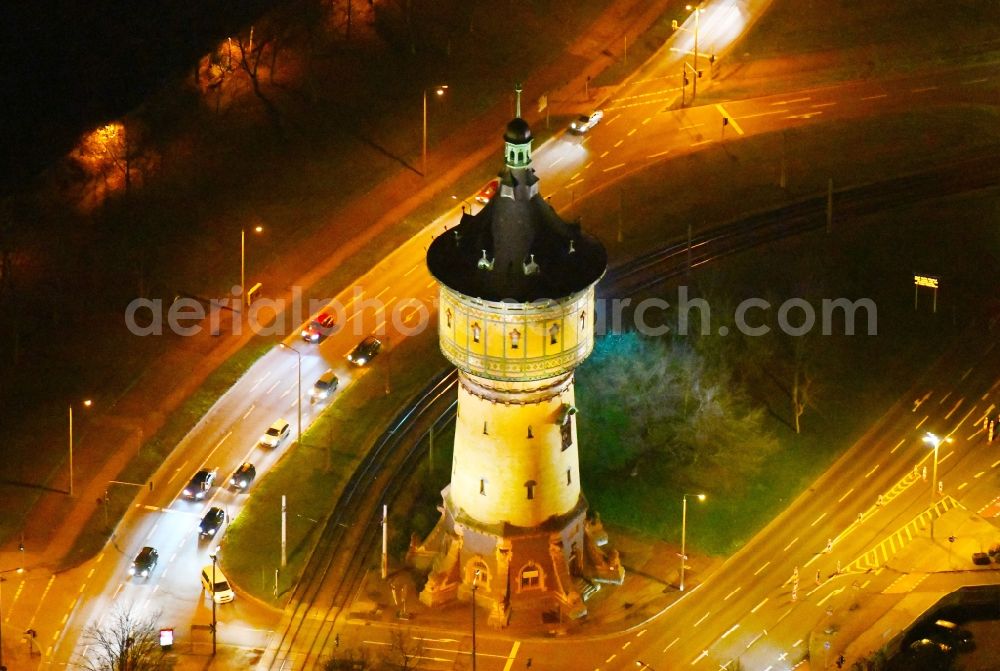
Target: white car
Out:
[276,434]
[219,588]
[583,123]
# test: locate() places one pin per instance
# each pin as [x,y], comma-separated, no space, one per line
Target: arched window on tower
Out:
[482,486]
[475,331]
[554,334]
[515,339]
[583,319]
[447,317]
[530,486]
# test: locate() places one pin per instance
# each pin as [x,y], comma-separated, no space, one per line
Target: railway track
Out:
[337,566]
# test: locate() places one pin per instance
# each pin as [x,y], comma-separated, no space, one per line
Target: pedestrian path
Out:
[897,540]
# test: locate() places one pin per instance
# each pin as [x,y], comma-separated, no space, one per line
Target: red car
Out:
[487,192]
[319,328]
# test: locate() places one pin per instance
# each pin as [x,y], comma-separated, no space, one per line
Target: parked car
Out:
[144,562]
[319,328]
[487,192]
[200,485]
[980,558]
[212,522]
[216,584]
[928,644]
[276,434]
[325,385]
[365,351]
[585,122]
[243,476]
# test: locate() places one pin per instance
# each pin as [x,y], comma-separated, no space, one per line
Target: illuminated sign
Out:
[166,637]
[925,281]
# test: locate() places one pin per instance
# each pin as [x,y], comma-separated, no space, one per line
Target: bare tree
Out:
[404,651]
[350,660]
[128,641]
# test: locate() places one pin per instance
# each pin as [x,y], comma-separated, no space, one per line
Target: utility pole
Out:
[284,531]
[385,541]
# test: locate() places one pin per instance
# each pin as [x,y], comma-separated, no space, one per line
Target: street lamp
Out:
[243,262]
[2,581]
[298,402]
[643,665]
[214,555]
[475,586]
[87,403]
[684,519]
[697,13]
[935,442]
[438,90]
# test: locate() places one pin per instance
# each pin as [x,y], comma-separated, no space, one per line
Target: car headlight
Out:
[187,492]
[145,573]
[131,570]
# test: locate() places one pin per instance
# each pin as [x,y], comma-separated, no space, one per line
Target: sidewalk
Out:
[859,622]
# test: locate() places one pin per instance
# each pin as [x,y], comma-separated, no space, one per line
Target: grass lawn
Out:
[311,475]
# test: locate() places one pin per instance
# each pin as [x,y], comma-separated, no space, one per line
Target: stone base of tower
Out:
[544,568]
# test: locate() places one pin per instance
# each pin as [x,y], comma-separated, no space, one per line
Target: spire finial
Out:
[517,92]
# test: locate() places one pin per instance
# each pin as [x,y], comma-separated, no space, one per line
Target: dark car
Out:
[980,558]
[320,328]
[144,562]
[212,522]
[365,351]
[199,485]
[325,385]
[243,476]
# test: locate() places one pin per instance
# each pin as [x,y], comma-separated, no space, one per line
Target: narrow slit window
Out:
[475,331]
[530,487]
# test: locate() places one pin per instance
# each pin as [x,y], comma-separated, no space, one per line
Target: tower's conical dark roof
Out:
[516,248]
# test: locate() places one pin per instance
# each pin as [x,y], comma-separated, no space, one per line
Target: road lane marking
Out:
[963,486]
[979,474]
[790,544]
[795,100]
[869,473]
[407,273]
[816,521]
[257,383]
[632,132]
[619,143]
[731,593]
[762,567]
[954,408]
[846,494]
[732,121]
[657,155]
[833,593]
[217,446]
[876,97]
[512,655]
[605,154]
[976,81]
[694,125]
[647,120]
[614,167]
[758,606]
[797,643]
[921,422]
[893,450]
[151,531]
[671,644]
[608,660]
[271,388]
[755,639]
[944,398]
[703,618]
[962,421]
[822,105]
[700,142]
[753,116]
[247,413]
[995,464]
[627,643]
[731,630]
[924,89]
[942,460]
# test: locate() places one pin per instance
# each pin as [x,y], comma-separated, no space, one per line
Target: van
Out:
[276,434]
[219,589]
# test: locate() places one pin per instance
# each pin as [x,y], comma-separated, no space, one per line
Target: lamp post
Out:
[439,90]
[684,518]
[298,403]
[475,586]
[243,262]
[214,555]
[697,13]
[2,581]
[87,403]
[935,442]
